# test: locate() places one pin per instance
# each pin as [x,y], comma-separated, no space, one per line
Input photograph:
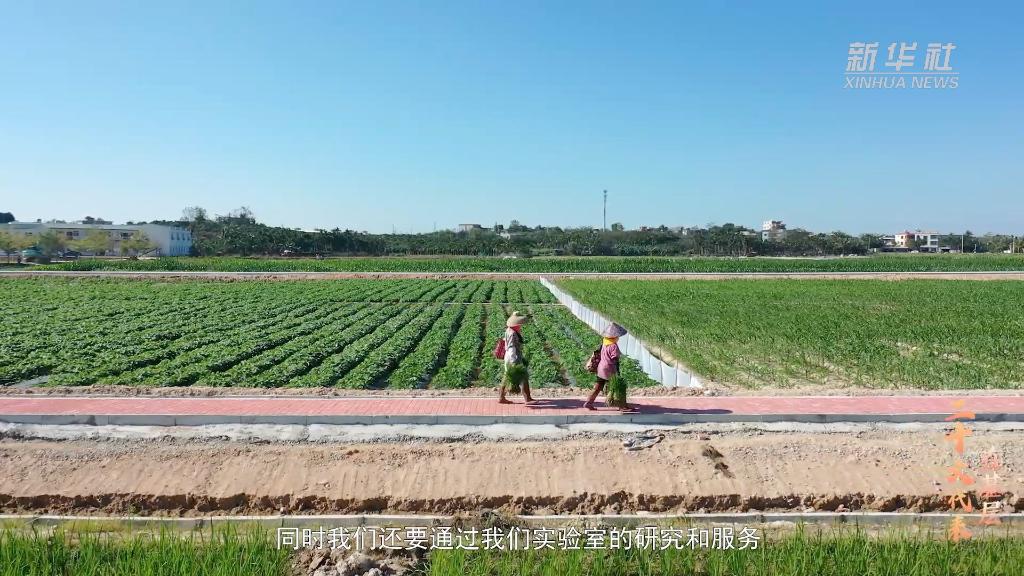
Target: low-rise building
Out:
[917,240]
[685,230]
[469,227]
[167,240]
[773,231]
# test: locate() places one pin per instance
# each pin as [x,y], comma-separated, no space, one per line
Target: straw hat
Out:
[613,331]
[516,319]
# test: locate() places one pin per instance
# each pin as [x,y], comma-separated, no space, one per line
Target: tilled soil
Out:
[878,470]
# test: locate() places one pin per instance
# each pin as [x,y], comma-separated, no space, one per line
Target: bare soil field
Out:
[722,469]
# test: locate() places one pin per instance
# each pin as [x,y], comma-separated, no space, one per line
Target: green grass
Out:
[823,553]
[930,334]
[881,263]
[220,553]
[808,551]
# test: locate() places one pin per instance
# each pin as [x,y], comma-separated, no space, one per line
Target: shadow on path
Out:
[577,404]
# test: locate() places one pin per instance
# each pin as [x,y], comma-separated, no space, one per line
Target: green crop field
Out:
[838,553]
[930,334]
[85,553]
[345,333]
[881,263]
[438,333]
[807,552]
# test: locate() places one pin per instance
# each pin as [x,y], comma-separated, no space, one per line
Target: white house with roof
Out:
[168,240]
[773,231]
[923,241]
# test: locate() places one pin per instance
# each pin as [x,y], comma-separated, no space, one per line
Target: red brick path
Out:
[740,405]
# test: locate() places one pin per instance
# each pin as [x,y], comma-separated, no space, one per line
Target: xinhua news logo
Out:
[900,69]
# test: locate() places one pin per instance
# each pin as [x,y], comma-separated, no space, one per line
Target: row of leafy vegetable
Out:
[347,333]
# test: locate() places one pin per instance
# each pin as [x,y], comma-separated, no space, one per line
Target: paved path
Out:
[476,411]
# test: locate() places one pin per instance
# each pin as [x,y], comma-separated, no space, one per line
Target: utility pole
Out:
[604,217]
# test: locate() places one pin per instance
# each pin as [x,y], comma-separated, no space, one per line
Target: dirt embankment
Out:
[874,470]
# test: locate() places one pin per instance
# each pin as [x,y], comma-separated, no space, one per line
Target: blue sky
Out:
[374,115]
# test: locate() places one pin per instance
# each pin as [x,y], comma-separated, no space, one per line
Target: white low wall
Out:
[669,375]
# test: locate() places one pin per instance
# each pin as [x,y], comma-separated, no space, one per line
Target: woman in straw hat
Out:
[516,372]
[608,371]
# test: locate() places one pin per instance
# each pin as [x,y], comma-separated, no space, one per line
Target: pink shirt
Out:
[513,346]
[606,369]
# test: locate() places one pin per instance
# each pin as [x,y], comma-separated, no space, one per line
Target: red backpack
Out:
[499,349]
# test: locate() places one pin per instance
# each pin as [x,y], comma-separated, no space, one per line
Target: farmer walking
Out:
[607,370]
[516,371]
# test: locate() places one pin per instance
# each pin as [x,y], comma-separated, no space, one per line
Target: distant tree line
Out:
[238,233]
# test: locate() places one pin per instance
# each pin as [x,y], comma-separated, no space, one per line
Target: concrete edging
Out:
[675,375]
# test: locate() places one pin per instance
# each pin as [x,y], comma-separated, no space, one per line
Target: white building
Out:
[168,240]
[469,227]
[923,241]
[773,231]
